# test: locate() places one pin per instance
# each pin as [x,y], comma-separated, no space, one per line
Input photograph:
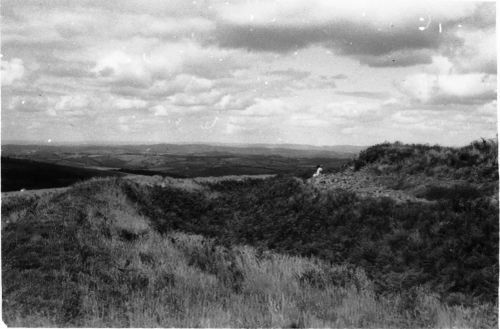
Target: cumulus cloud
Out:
[234,103]
[196,99]
[478,53]
[27,104]
[364,94]
[11,71]
[266,108]
[377,35]
[260,70]
[308,120]
[471,88]
[145,62]
[488,112]
[292,73]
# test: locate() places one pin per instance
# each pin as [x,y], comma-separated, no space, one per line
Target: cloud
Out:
[395,34]
[307,120]
[160,110]
[28,104]
[471,88]
[478,53]
[11,71]
[266,108]
[398,58]
[335,77]
[63,19]
[195,99]
[234,103]
[148,61]
[291,73]
[488,112]
[126,104]
[163,69]
[364,94]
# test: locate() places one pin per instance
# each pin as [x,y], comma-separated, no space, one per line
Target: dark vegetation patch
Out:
[454,192]
[28,174]
[450,246]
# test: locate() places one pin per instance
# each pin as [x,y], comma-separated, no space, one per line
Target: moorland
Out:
[400,236]
[45,166]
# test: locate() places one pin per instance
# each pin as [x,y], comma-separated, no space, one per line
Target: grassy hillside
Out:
[450,246]
[28,174]
[273,253]
[476,162]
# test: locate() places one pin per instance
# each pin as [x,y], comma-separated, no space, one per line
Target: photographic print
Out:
[249,163]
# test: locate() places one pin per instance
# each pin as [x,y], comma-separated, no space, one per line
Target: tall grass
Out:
[87,258]
[476,162]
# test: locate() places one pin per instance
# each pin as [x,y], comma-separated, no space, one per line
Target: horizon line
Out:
[235,144]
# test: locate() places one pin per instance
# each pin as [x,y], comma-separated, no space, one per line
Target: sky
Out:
[316,72]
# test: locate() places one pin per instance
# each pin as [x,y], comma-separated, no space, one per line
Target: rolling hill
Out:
[27,174]
[276,251]
[188,160]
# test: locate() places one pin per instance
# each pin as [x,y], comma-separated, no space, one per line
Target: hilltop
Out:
[419,172]
[267,251]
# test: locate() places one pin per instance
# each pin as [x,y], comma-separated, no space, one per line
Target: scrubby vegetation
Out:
[275,252]
[450,246]
[86,257]
[476,162]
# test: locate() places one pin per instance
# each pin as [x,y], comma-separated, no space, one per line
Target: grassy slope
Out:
[420,172]
[476,162]
[86,257]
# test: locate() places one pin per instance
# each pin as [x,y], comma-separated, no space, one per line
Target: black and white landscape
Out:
[238,163]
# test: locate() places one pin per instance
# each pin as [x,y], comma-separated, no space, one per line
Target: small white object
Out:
[318,172]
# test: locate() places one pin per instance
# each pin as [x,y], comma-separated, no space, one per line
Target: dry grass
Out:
[134,277]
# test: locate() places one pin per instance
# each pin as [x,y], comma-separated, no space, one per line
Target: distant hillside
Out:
[185,160]
[286,150]
[20,173]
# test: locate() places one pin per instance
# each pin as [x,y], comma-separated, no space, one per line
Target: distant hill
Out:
[20,173]
[193,160]
[287,150]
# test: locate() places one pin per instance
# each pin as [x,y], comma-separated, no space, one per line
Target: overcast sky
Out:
[309,72]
